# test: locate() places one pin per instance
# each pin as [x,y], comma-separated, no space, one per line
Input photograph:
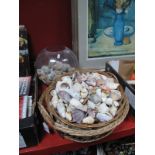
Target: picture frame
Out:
[80,44]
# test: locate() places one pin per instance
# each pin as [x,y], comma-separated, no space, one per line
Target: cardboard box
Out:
[122,70]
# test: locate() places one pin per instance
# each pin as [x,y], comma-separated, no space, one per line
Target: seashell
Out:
[91,81]
[54,99]
[97,76]
[61,109]
[45,69]
[116,104]
[90,104]
[99,82]
[91,113]
[88,120]
[68,80]
[75,104]
[108,101]
[78,115]
[66,67]
[115,95]
[105,89]
[51,75]
[99,92]
[74,94]
[64,96]
[112,85]
[58,65]
[102,108]
[84,92]
[104,117]
[40,72]
[84,85]
[68,116]
[77,87]
[103,77]
[113,110]
[95,98]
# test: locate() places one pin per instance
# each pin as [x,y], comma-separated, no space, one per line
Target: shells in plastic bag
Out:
[78,115]
[88,120]
[104,117]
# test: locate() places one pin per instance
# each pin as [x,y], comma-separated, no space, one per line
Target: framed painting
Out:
[103,30]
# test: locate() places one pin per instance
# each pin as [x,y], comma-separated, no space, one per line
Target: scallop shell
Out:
[113,110]
[78,115]
[61,109]
[64,96]
[115,95]
[104,117]
[102,108]
[88,120]
[75,104]
[99,92]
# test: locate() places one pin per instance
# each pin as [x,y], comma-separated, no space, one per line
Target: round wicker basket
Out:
[81,132]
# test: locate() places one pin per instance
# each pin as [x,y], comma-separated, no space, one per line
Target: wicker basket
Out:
[81,132]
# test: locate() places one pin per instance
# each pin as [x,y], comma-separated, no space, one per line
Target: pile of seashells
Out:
[86,97]
[47,73]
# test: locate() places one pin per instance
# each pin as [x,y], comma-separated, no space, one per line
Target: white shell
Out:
[99,92]
[116,104]
[75,104]
[112,85]
[77,87]
[61,109]
[88,120]
[54,100]
[68,80]
[84,92]
[115,95]
[108,101]
[102,108]
[90,104]
[113,110]
[68,116]
[104,117]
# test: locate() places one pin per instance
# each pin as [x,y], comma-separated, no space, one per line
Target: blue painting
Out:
[111,28]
